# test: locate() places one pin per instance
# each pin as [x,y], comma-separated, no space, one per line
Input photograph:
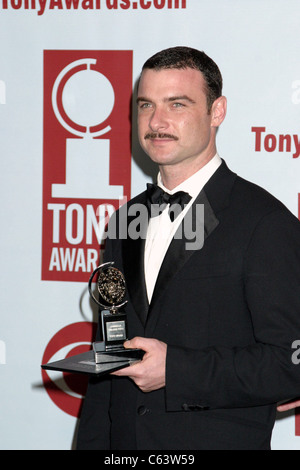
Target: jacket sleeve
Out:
[263,372]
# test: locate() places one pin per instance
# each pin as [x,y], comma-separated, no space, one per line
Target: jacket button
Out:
[142,410]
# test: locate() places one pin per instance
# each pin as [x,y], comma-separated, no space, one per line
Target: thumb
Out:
[135,343]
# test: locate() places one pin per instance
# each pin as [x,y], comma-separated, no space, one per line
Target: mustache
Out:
[158,135]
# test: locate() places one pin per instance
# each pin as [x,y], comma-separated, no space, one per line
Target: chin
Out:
[162,159]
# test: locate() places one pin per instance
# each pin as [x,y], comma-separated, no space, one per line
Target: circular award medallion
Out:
[111,286]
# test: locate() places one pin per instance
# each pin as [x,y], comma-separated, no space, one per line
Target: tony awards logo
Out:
[87,99]
[87,156]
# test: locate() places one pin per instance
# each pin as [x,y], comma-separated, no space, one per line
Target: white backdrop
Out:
[256,43]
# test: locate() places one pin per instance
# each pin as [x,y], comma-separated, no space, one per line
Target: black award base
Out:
[103,354]
[107,361]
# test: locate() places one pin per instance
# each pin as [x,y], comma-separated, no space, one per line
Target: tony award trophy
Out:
[109,354]
[111,289]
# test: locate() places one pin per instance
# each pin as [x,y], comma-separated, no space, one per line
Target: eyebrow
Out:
[171,99]
[180,98]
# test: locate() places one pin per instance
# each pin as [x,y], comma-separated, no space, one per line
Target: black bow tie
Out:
[158,199]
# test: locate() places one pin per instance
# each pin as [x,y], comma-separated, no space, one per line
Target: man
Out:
[216,322]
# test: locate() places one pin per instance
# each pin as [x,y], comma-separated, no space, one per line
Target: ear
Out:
[218,111]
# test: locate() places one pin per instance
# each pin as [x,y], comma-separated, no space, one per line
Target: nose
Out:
[158,120]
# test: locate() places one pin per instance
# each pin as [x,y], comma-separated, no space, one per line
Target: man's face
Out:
[174,126]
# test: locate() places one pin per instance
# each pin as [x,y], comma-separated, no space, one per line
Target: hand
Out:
[288,406]
[149,374]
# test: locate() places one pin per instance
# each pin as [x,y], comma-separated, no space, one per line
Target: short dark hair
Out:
[182,57]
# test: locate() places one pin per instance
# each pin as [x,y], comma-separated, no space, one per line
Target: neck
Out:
[173,175]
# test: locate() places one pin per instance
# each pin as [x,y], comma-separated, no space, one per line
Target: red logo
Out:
[86,155]
[67,391]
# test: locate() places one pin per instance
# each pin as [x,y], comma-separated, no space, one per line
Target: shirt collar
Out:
[197,181]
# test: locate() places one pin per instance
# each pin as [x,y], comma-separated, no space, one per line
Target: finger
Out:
[126,371]
[137,343]
[288,406]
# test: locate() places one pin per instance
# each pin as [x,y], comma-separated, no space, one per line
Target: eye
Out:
[145,105]
[177,104]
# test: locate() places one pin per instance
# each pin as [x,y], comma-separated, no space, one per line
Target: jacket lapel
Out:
[133,263]
[178,252]
[215,197]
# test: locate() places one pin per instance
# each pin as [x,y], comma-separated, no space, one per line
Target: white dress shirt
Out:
[161,230]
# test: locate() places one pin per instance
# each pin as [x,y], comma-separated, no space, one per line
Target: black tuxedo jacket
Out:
[229,313]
